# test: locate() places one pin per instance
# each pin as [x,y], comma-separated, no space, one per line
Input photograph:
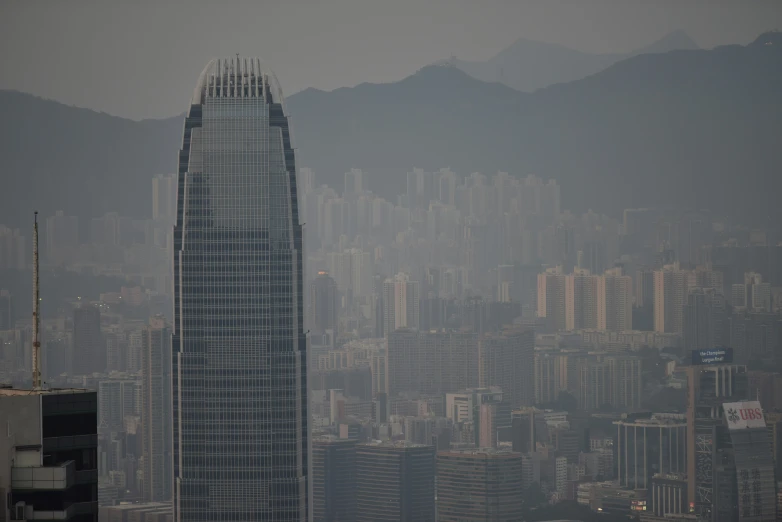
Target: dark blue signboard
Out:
[712,356]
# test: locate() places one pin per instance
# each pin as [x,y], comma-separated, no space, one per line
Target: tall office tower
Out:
[545,378]
[754,295]
[626,381]
[490,479]
[62,233]
[241,422]
[551,299]
[156,403]
[324,303]
[6,310]
[671,287]
[746,482]
[708,387]
[614,301]
[431,363]
[581,292]
[705,320]
[401,303]
[89,350]
[354,182]
[394,482]
[48,455]
[333,479]
[650,444]
[507,360]
[164,197]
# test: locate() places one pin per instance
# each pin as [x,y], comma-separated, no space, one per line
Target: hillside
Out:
[527,65]
[675,128]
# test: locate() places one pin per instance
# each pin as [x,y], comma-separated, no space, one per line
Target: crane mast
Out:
[36,311]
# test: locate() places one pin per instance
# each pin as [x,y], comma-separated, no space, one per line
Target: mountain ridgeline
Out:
[687,128]
[527,65]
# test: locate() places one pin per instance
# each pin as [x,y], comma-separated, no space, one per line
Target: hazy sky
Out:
[141,59]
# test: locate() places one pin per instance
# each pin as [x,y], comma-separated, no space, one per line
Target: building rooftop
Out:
[481,452]
[401,444]
[13,392]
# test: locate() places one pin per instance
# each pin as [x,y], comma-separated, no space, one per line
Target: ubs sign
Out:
[742,415]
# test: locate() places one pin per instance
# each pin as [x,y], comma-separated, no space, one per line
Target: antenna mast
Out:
[36,311]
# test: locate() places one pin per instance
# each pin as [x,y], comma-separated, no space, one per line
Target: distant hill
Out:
[56,157]
[698,127]
[527,65]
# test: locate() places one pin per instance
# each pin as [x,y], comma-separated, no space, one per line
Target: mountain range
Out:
[527,65]
[686,128]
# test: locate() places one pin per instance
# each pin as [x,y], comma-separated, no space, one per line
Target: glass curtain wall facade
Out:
[239,346]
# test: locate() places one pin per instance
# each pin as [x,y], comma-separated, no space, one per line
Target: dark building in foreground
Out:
[483,485]
[394,482]
[333,479]
[241,435]
[49,455]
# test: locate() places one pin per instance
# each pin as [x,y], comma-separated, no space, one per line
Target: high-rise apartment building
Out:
[753,295]
[581,300]
[705,319]
[7,317]
[354,181]
[13,249]
[156,403]
[241,422]
[671,287]
[48,455]
[614,301]
[431,363]
[626,381]
[395,482]
[401,306]
[164,197]
[507,360]
[117,399]
[545,378]
[551,299]
[333,479]
[89,350]
[482,485]
[324,304]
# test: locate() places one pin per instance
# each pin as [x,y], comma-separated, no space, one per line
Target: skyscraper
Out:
[239,363]
[479,485]
[156,410]
[394,482]
[401,303]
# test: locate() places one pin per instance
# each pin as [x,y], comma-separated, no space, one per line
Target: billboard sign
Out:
[712,356]
[743,415]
